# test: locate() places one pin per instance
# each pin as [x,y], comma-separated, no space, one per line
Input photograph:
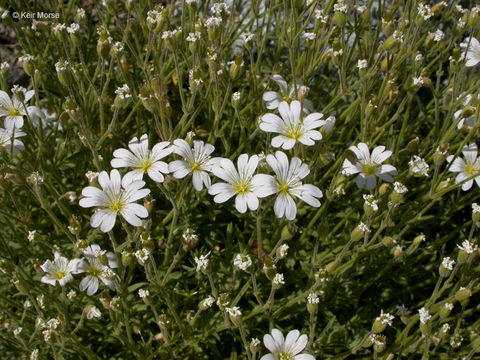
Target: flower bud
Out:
[223,301]
[255,345]
[339,19]
[476,213]
[312,302]
[287,232]
[380,343]
[269,268]
[127,257]
[303,93]
[446,310]
[463,294]
[103,48]
[235,315]
[476,344]
[359,232]
[388,241]
[206,303]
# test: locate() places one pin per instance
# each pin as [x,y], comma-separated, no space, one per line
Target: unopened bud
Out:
[463,294]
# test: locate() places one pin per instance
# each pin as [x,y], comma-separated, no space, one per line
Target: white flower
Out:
[286,349]
[399,188]
[207,303]
[371,202]
[91,176]
[468,247]
[61,66]
[418,166]
[196,161]
[73,28]
[468,122]
[34,355]
[143,293]
[213,21]
[97,267]
[273,99]
[327,128]
[313,298]
[242,262]
[418,81]
[247,36]
[278,280]
[71,295]
[385,318]
[468,168]
[193,37]
[447,263]
[116,196]
[362,64]
[60,270]
[439,35]
[340,7]
[9,134]
[424,315]
[242,184]
[13,109]
[92,312]
[471,52]
[475,208]
[291,126]
[367,167]
[142,255]
[142,159]
[124,93]
[233,311]
[282,251]
[309,36]
[320,15]
[202,262]
[424,11]
[287,183]
[117,47]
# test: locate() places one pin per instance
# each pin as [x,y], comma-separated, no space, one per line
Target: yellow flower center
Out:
[14,112]
[94,271]
[242,188]
[294,132]
[285,356]
[146,164]
[194,166]
[283,189]
[60,275]
[287,99]
[369,168]
[116,205]
[470,170]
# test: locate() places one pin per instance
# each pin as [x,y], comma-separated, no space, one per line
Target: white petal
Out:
[179,168]
[371,182]
[291,339]
[222,191]
[291,209]
[360,181]
[287,143]
[269,343]
[300,344]
[278,337]
[304,357]
[267,357]
[241,204]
